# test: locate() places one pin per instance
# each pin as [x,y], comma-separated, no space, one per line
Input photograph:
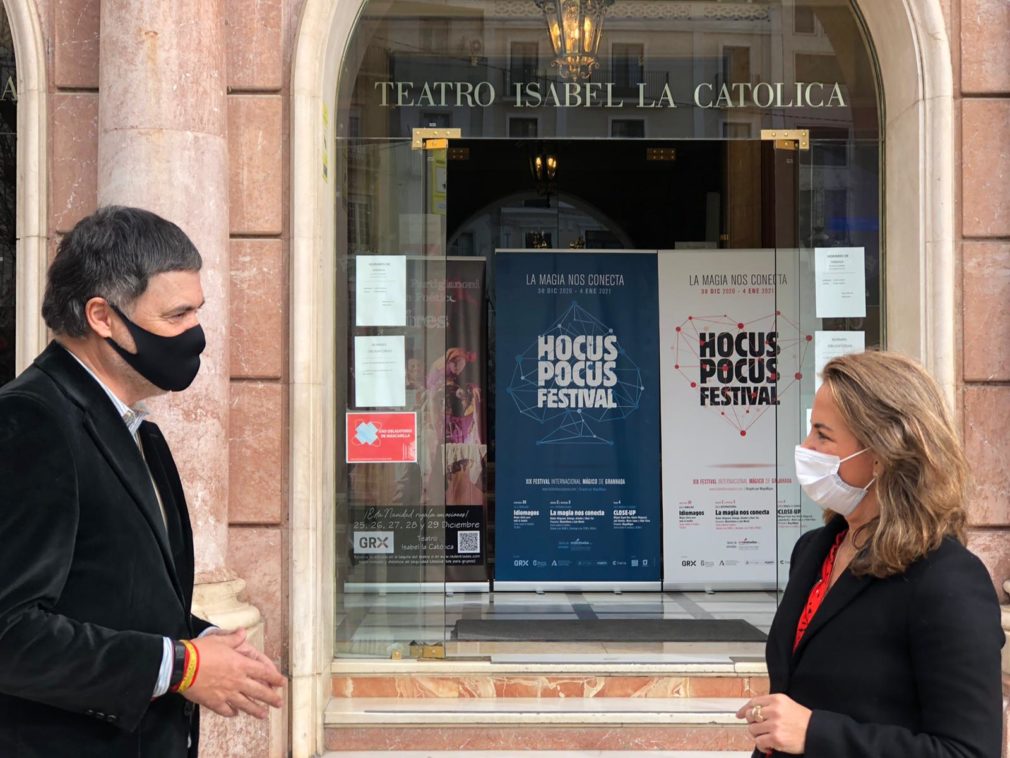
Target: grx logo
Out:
[371,543]
[689,563]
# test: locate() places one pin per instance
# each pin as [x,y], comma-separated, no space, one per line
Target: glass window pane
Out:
[687,68]
[627,62]
[658,149]
[522,128]
[524,62]
[803,20]
[627,127]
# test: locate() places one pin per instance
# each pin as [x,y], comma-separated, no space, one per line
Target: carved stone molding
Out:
[221,604]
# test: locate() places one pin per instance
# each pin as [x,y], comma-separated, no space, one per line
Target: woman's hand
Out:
[776,722]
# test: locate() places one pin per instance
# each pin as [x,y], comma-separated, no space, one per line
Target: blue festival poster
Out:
[577,419]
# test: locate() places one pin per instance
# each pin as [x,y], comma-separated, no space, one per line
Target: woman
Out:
[887,641]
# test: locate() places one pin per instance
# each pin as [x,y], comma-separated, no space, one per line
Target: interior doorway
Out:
[613,193]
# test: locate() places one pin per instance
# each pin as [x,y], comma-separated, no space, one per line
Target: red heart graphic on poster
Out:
[740,369]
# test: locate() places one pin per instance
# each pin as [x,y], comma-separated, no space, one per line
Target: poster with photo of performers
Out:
[425,521]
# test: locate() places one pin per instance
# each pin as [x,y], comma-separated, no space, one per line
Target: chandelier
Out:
[544,168]
[575,27]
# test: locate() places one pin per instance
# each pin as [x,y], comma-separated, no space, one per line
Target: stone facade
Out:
[980,34]
[246,236]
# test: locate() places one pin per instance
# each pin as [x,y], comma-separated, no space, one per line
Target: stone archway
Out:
[33,186]
[916,74]
[917,78]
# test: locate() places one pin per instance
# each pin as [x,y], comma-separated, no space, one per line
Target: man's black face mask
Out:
[170,363]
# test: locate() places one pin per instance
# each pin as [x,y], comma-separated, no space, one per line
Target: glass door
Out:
[393,391]
[794,300]
[746,339]
[740,228]
[729,351]
[721,218]
[830,295]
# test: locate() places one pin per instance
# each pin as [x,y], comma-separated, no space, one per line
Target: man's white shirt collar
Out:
[132,417]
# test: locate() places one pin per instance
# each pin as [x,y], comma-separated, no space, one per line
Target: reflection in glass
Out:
[658,149]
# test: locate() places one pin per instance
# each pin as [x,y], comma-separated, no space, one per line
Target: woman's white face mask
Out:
[818,476]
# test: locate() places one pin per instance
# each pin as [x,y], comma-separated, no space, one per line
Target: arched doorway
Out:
[914,67]
[31,193]
[8,202]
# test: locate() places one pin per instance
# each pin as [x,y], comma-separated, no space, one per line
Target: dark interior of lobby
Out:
[630,193]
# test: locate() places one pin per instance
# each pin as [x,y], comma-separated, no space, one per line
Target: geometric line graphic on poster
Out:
[576,372]
[740,369]
[366,433]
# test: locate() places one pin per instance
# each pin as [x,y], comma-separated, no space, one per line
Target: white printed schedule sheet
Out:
[379,372]
[841,282]
[828,345]
[380,290]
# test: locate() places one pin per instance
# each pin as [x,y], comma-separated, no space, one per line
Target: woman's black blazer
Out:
[903,667]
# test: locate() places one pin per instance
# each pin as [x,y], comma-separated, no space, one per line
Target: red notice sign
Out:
[381,437]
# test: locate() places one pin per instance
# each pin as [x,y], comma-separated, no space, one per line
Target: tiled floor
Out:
[372,624]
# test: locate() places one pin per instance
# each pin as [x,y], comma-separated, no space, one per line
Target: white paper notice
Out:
[381,290]
[380,372]
[828,345]
[841,282]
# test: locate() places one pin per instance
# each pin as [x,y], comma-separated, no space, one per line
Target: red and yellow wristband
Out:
[190,667]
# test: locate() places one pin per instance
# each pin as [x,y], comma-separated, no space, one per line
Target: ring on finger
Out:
[756,714]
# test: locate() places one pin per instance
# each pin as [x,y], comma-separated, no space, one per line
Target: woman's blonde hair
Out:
[894,408]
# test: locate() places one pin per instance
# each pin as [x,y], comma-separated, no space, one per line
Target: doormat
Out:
[609,630]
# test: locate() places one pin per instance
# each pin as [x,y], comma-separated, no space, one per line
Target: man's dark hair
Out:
[113,253]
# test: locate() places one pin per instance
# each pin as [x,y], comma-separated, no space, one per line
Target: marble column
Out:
[163,145]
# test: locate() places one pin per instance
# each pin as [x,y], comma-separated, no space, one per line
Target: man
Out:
[100,656]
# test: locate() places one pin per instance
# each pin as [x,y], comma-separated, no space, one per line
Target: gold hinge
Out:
[433,651]
[427,650]
[788,139]
[661,154]
[433,139]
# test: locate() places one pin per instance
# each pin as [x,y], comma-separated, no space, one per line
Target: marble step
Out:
[525,724]
[568,677]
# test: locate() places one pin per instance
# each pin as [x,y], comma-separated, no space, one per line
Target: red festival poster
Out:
[381,437]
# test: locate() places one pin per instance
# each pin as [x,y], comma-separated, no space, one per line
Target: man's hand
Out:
[246,648]
[234,676]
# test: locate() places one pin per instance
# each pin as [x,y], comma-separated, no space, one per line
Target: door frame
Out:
[918,215]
